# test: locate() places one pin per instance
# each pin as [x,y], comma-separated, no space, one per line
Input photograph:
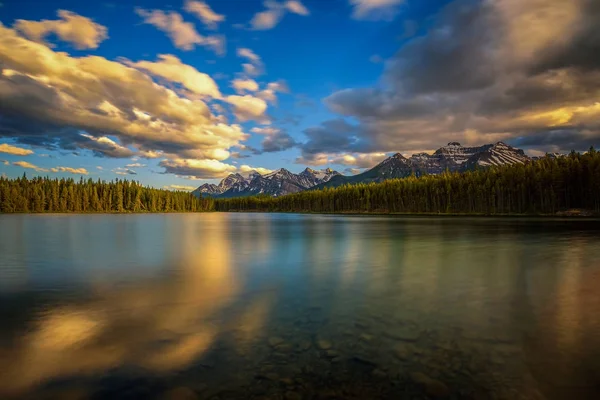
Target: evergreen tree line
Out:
[544,186]
[45,195]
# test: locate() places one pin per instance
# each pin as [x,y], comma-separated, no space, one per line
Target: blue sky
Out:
[146,90]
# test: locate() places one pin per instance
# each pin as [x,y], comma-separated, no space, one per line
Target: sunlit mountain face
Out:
[185,95]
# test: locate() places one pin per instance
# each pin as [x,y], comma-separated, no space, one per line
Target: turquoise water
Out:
[284,306]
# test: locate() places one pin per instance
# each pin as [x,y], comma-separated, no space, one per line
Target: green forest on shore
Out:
[542,187]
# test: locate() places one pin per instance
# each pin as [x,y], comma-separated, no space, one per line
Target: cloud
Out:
[57,101]
[274,13]
[204,13]
[199,169]
[269,93]
[18,151]
[171,68]
[482,72]
[81,32]
[25,164]
[245,169]
[267,130]
[357,160]
[375,9]
[76,171]
[247,108]
[275,140]
[243,85]
[376,59]
[99,168]
[135,165]
[180,188]
[5,162]
[183,34]
[255,66]
[124,171]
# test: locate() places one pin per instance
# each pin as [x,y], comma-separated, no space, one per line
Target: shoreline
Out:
[348,213]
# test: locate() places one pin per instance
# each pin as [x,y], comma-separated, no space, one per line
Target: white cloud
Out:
[25,164]
[124,171]
[242,85]
[108,107]
[135,165]
[76,171]
[171,68]
[296,7]
[245,169]
[183,34]
[268,130]
[204,13]
[246,108]
[18,151]
[358,160]
[274,12]
[269,94]
[99,168]
[375,9]
[199,169]
[255,66]
[180,187]
[81,32]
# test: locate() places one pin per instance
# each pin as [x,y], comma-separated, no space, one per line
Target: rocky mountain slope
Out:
[276,183]
[452,157]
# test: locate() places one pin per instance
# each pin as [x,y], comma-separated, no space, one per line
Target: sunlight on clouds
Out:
[81,32]
[255,66]
[180,188]
[375,9]
[274,13]
[244,169]
[246,108]
[96,97]
[242,85]
[14,150]
[25,164]
[204,13]
[76,171]
[201,169]
[171,68]
[183,34]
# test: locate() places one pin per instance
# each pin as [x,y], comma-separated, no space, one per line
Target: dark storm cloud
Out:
[482,71]
[331,136]
[278,142]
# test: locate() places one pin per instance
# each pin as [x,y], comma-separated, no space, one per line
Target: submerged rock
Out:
[432,387]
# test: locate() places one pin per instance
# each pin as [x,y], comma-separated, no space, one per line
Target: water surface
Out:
[284,306]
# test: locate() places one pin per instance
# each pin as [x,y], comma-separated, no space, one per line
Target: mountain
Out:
[452,157]
[276,183]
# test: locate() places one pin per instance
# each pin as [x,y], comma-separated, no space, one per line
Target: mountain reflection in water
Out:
[238,306]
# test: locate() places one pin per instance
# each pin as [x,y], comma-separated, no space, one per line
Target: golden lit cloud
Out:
[25,164]
[18,151]
[76,171]
[244,85]
[172,69]
[247,107]
[204,13]
[81,32]
[183,34]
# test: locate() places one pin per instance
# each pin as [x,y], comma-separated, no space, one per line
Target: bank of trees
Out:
[545,186]
[41,195]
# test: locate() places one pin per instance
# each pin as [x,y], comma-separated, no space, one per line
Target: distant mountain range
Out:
[452,157]
[276,183]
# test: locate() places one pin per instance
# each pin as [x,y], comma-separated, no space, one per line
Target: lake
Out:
[288,306]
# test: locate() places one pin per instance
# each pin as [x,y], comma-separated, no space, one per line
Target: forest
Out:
[39,195]
[545,186]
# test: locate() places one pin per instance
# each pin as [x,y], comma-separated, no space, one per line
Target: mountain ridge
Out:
[453,157]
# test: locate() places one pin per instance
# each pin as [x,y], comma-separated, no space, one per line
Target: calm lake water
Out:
[284,306]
